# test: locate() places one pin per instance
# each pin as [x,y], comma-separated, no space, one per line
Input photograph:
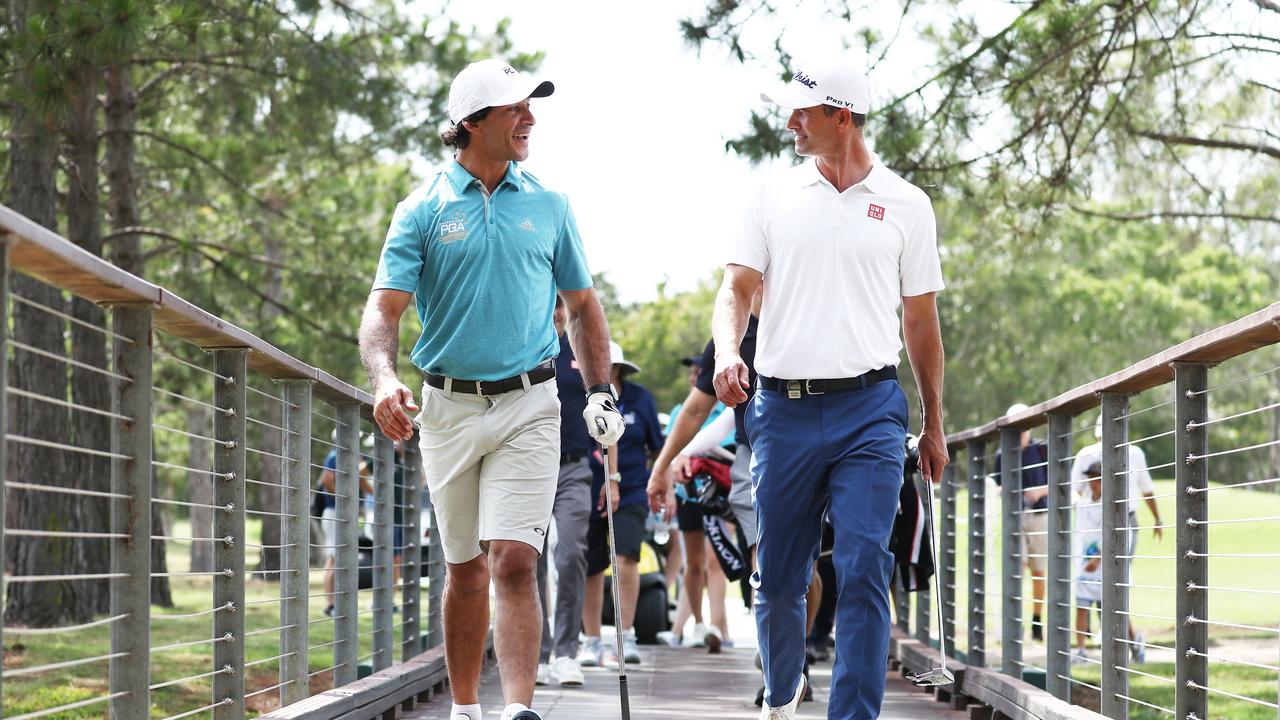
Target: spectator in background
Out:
[1087,539]
[326,496]
[701,570]
[571,512]
[1035,516]
[627,473]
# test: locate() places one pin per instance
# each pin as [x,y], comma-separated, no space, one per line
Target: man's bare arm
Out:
[923,335]
[588,332]
[379,344]
[697,406]
[728,325]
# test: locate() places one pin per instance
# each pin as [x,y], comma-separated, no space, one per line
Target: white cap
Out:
[616,358]
[491,83]
[835,82]
[1016,408]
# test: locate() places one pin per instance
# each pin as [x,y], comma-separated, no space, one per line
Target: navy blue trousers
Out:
[843,451]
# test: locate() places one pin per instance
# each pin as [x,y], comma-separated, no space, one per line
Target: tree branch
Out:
[287,310]
[218,170]
[1177,214]
[1209,142]
[1267,5]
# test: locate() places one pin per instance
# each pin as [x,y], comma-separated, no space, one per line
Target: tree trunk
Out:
[126,250]
[32,157]
[201,487]
[269,495]
[122,201]
[88,389]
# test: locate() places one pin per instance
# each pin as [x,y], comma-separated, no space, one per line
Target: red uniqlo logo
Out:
[875,212]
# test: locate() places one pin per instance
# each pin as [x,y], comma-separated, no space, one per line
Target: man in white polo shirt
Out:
[838,242]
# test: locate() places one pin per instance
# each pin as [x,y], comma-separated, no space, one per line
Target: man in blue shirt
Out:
[483,248]
[628,474]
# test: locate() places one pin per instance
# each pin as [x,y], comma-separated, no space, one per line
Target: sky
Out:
[635,132]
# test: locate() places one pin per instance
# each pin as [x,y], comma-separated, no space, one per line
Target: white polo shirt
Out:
[836,266]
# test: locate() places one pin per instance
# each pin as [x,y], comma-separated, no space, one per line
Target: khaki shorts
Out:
[491,465]
[1035,540]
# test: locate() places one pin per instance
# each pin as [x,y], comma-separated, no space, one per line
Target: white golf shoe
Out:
[565,670]
[788,711]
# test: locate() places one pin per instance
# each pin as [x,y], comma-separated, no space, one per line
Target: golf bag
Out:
[708,490]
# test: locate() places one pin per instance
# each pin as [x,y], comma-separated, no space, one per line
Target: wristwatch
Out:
[616,477]
[603,388]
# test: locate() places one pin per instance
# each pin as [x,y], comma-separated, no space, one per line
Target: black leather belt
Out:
[539,374]
[798,388]
[569,458]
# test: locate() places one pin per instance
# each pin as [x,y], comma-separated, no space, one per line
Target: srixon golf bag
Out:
[912,552]
[708,489]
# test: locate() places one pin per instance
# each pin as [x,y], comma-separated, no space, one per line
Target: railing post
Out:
[1011,551]
[228,523]
[1115,545]
[411,592]
[435,581]
[1058,568]
[923,595]
[383,552]
[131,596]
[346,637]
[946,560]
[977,630]
[4,425]
[295,558]
[1191,381]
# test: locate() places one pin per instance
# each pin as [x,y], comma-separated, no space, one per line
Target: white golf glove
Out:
[604,422]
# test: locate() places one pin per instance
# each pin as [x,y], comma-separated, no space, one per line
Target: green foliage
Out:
[657,334]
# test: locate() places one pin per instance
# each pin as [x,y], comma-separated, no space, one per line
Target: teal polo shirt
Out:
[484,270]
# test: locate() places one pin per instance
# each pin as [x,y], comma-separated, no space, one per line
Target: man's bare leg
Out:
[629,585]
[466,624]
[813,600]
[517,624]
[717,585]
[593,605]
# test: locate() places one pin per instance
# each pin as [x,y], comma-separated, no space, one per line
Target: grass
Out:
[1252,682]
[26,694]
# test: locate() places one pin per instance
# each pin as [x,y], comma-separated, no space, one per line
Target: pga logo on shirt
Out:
[453,229]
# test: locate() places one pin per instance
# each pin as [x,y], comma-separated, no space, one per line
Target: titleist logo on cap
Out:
[805,80]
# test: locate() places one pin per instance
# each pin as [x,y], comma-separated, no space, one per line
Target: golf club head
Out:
[932,678]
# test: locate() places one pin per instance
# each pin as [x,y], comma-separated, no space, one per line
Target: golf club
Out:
[939,675]
[617,583]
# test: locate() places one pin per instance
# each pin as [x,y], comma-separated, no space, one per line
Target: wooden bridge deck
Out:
[673,683]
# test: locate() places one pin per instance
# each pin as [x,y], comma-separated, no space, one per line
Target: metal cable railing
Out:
[1196,582]
[200,484]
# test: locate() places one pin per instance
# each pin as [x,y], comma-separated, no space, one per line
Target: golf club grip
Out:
[626,701]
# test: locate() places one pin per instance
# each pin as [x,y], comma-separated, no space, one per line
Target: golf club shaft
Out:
[937,584]
[617,591]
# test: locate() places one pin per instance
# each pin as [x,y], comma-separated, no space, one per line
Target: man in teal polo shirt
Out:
[484,248]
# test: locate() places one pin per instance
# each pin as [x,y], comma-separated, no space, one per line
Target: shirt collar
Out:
[875,181]
[461,179]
